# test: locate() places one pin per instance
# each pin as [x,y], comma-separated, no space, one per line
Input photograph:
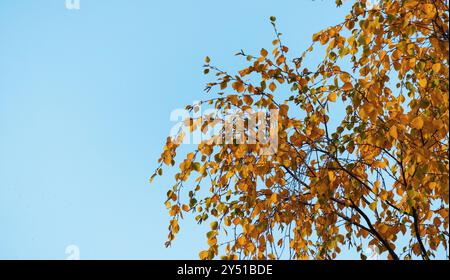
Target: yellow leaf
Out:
[280,60]
[380,164]
[332,97]
[273,198]
[423,82]
[393,132]
[168,204]
[436,67]
[167,159]
[362,113]
[324,38]
[376,186]
[331,176]
[332,31]
[384,228]
[241,151]
[174,223]
[316,37]
[417,123]
[212,241]
[241,241]
[203,255]
[429,10]
[345,77]
[243,187]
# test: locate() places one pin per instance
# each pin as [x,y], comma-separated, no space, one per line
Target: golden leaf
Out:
[393,132]
[203,255]
[417,123]
[332,97]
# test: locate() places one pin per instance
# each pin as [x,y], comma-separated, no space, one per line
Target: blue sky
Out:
[85,100]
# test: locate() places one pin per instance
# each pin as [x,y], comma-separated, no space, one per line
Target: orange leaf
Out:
[272,86]
[332,97]
[347,86]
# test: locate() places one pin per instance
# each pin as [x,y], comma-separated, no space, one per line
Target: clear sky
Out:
[85,100]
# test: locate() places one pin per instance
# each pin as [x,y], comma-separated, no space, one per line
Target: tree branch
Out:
[423,251]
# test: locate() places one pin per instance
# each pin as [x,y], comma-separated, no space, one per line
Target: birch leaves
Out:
[378,175]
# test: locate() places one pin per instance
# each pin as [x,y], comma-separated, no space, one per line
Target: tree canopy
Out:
[379,177]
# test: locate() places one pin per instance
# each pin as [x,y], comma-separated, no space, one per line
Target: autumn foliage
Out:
[377,176]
